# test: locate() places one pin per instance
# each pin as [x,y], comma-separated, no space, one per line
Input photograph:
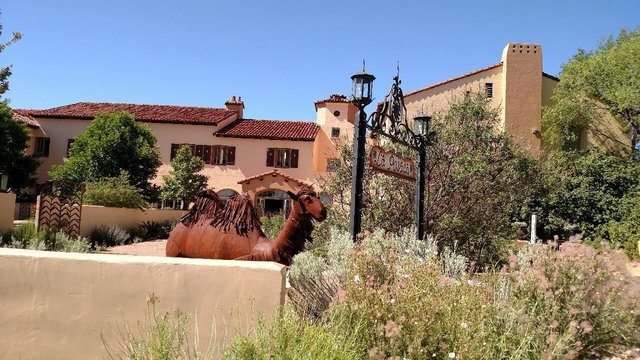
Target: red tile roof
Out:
[22,116]
[273,173]
[454,79]
[270,129]
[335,98]
[146,113]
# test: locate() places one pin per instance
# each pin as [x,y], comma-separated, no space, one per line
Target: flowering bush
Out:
[575,303]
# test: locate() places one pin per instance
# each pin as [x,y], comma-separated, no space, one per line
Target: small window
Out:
[335,132]
[69,142]
[42,146]
[336,113]
[223,155]
[488,90]
[282,158]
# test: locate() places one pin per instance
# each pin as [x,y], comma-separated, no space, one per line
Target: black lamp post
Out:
[361,97]
[421,129]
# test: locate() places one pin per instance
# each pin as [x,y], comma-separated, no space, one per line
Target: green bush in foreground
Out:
[394,303]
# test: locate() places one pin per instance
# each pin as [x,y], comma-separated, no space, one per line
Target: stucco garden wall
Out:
[7,205]
[57,305]
[94,216]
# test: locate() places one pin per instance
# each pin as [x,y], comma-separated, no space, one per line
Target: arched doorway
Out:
[273,201]
[225,194]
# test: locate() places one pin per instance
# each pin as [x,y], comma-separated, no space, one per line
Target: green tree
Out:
[111,144]
[605,80]
[184,181]
[14,160]
[589,192]
[5,72]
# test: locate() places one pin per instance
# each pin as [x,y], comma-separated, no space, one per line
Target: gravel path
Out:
[145,248]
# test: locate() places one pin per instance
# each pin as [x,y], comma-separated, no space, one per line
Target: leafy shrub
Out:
[625,233]
[106,236]
[582,192]
[574,303]
[272,224]
[152,230]
[338,337]
[22,235]
[25,236]
[114,192]
[60,241]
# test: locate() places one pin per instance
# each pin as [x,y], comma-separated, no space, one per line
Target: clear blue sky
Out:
[280,56]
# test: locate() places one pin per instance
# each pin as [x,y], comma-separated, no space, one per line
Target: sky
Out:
[279,56]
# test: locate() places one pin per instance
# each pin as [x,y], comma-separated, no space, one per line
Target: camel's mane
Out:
[207,204]
[238,212]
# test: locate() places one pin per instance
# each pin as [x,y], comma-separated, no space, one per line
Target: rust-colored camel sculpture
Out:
[214,230]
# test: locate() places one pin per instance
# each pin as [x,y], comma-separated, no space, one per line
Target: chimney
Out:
[236,105]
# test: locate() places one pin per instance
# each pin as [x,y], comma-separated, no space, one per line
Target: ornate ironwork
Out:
[391,119]
[60,207]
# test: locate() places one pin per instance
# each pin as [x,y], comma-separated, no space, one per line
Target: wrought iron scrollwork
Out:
[390,119]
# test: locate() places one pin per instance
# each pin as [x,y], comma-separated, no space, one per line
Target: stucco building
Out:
[265,158]
[518,88]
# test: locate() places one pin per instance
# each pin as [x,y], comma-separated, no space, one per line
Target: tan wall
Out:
[438,98]
[59,131]
[251,159]
[7,206]
[94,216]
[250,153]
[522,94]
[325,146]
[57,305]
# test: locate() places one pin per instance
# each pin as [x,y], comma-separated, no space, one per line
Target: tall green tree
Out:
[114,142]
[184,181]
[592,82]
[14,160]
[5,72]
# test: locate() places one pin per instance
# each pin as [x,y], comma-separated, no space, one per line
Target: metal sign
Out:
[392,163]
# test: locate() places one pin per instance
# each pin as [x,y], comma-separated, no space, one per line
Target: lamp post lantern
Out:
[361,97]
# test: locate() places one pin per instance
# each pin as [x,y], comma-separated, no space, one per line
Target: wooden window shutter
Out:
[294,158]
[206,154]
[231,155]
[174,150]
[270,152]
[200,151]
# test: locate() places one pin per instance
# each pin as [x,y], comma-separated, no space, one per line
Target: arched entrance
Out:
[273,201]
[225,194]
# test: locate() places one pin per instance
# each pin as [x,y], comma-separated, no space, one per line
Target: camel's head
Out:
[309,203]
